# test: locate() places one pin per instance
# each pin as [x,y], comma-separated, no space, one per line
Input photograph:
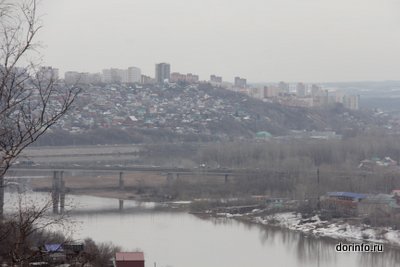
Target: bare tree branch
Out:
[31,99]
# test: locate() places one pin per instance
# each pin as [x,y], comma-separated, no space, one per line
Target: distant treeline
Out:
[286,168]
[118,136]
[302,154]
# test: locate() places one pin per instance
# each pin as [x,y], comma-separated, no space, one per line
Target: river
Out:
[180,239]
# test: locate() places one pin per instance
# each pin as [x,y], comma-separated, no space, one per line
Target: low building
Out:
[342,203]
[263,135]
[129,259]
[55,253]
[178,77]
[381,202]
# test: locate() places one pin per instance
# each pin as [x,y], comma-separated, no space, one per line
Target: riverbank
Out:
[146,187]
[338,229]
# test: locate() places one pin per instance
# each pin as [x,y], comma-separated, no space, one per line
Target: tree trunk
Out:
[1,196]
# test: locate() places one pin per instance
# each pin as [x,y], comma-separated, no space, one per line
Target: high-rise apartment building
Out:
[301,90]
[134,75]
[352,102]
[130,75]
[48,73]
[271,91]
[284,87]
[74,77]
[163,72]
[215,79]
[315,90]
[114,76]
[240,82]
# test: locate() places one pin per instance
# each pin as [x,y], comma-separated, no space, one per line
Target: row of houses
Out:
[74,254]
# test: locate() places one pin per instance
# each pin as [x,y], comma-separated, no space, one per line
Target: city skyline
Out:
[271,40]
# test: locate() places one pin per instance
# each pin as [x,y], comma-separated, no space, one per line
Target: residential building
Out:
[177,77]
[352,102]
[48,73]
[215,79]
[321,99]
[134,75]
[271,91]
[383,204]
[192,78]
[284,87]
[344,203]
[95,78]
[301,90]
[146,80]
[315,90]
[240,82]
[129,259]
[114,75]
[74,77]
[256,92]
[163,72]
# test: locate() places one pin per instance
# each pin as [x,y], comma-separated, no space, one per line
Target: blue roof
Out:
[53,247]
[347,194]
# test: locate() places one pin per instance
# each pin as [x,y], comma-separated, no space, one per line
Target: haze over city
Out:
[172,133]
[310,41]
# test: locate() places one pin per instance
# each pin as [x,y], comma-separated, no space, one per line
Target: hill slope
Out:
[134,114]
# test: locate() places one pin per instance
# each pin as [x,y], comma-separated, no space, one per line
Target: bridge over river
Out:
[57,173]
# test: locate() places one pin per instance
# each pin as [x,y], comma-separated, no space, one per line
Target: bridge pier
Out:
[58,192]
[55,193]
[121,181]
[62,193]
[121,204]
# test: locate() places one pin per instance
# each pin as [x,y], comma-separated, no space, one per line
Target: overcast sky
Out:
[261,40]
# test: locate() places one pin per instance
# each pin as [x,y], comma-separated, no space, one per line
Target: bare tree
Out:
[31,99]
[30,223]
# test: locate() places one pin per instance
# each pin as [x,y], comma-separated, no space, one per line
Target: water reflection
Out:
[389,258]
[312,251]
[179,239]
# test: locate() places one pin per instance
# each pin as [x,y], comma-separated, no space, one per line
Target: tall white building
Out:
[130,75]
[114,75]
[134,75]
[74,77]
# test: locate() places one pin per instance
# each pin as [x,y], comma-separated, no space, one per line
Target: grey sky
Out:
[262,40]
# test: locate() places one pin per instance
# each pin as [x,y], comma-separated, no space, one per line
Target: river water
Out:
[180,239]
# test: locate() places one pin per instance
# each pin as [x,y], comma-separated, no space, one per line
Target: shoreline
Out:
[338,230]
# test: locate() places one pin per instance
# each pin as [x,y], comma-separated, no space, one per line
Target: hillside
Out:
[136,114]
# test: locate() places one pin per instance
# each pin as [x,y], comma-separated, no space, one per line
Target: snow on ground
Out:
[337,230]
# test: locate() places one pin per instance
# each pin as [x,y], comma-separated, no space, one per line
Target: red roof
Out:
[129,256]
